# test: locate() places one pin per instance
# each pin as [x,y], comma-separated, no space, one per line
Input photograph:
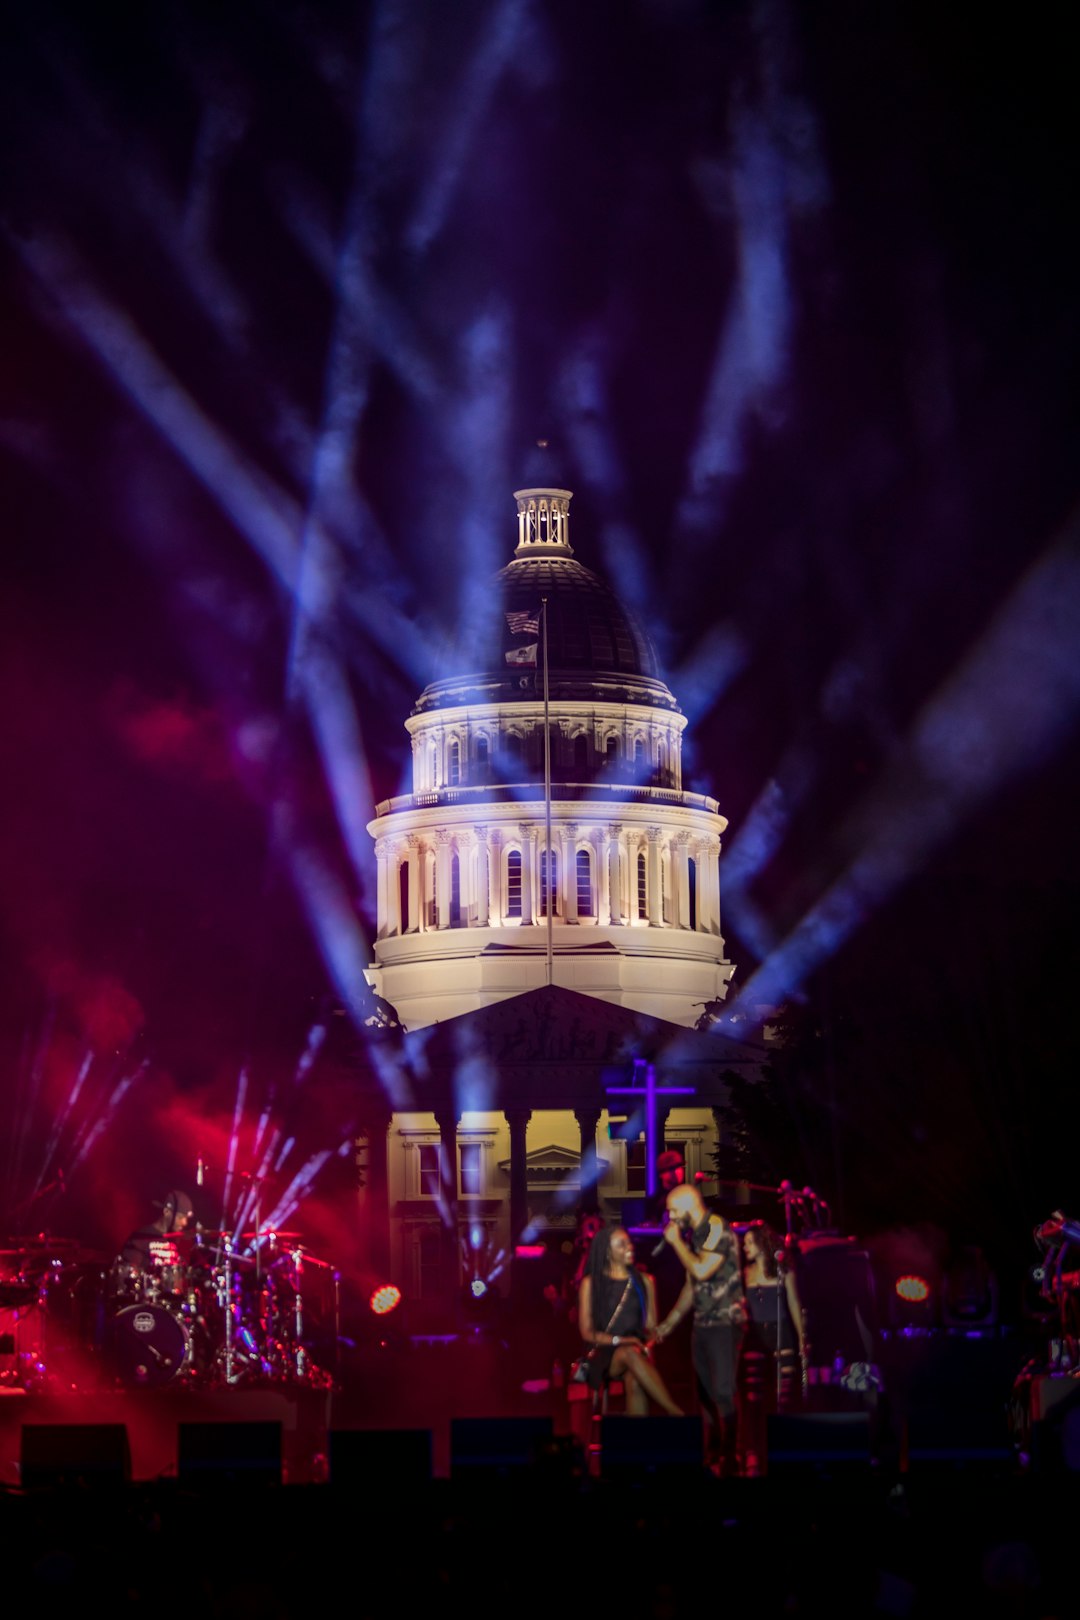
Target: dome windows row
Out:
[447,881]
[487,758]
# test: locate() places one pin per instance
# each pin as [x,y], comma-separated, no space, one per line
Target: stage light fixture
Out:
[385,1299]
[913,1289]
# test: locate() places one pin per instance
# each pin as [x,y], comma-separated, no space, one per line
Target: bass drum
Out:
[149,1345]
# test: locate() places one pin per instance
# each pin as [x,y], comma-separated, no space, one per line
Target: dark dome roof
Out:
[588,628]
[595,648]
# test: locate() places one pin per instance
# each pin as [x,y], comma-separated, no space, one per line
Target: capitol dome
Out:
[595,647]
[547,838]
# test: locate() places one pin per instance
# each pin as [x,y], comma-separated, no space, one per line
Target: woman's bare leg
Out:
[637,1402]
[644,1374]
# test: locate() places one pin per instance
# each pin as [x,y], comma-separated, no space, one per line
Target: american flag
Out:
[524,624]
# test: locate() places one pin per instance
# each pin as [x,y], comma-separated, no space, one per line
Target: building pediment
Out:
[556,1048]
[551,1163]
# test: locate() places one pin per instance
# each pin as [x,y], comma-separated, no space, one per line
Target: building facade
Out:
[548,926]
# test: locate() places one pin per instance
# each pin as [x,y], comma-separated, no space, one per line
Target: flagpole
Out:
[549,897]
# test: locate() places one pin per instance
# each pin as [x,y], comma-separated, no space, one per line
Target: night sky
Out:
[289,294]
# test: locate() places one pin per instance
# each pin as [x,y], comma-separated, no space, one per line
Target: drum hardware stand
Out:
[301,1353]
[227,1310]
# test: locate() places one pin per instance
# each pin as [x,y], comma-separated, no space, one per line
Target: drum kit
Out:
[214,1309]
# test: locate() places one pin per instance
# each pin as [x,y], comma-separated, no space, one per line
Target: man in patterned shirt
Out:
[709,1252]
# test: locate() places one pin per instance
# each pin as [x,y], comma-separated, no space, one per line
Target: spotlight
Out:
[385,1299]
[913,1289]
[913,1305]
[478,1288]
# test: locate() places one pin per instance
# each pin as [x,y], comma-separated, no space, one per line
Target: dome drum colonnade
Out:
[462,861]
[494,876]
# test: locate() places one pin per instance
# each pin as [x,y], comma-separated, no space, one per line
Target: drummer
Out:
[163,1247]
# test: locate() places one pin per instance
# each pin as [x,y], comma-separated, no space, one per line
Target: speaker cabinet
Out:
[497,1445]
[639,1448]
[378,1459]
[954,1436]
[74,1454]
[818,1439]
[229,1453]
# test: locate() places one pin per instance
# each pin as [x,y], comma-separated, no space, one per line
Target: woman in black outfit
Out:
[771,1364]
[617,1317]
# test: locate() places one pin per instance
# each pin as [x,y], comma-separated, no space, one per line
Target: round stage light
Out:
[913,1289]
[385,1299]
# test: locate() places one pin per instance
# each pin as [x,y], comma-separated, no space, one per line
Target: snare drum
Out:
[149,1344]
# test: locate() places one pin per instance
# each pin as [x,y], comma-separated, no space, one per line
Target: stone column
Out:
[615,874]
[712,885]
[447,1121]
[414,883]
[393,889]
[528,864]
[588,1174]
[377,1189]
[442,878]
[496,897]
[681,878]
[483,878]
[466,844]
[518,1121]
[600,874]
[656,915]
[424,888]
[381,881]
[569,872]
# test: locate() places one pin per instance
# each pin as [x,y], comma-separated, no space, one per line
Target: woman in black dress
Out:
[771,1362]
[617,1317]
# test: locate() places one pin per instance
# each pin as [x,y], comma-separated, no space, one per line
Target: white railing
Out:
[525,792]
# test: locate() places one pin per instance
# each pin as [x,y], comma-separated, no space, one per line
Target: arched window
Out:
[433,767]
[513,883]
[514,747]
[692,871]
[403,895]
[586,900]
[455,891]
[581,754]
[482,756]
[642,887]
[549,856]
[453,763]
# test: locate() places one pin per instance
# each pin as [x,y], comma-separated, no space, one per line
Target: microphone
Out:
[660,1247]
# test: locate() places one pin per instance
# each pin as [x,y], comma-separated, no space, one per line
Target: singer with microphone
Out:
[709,1254]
